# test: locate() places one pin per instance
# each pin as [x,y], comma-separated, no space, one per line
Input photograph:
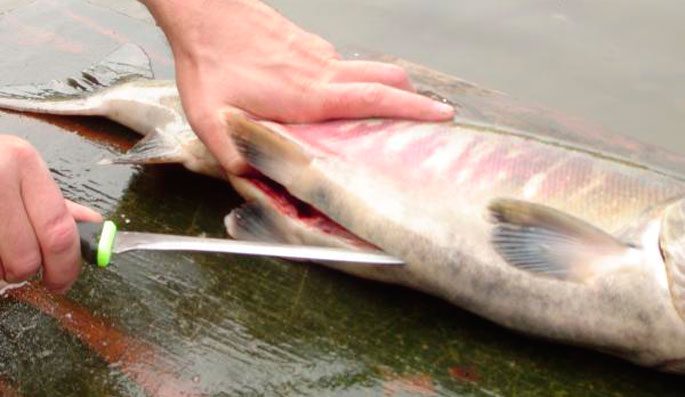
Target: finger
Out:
[358,100]
[2,274]
[209,124]
[82,213]
[215,135]
[371,72]
[53,225]
[19,249]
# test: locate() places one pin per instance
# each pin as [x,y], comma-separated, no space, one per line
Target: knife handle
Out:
[97,241]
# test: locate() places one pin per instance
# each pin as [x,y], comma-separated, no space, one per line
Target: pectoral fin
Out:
[154,148]
[254,222]
[272,153]
[548,242]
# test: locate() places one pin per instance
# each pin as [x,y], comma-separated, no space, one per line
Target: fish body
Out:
[515,213]
[559,243]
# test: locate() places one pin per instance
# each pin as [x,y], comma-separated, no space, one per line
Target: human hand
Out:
[37,229]
[243,54]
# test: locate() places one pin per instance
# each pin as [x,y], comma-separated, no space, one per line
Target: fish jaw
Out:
[445,242]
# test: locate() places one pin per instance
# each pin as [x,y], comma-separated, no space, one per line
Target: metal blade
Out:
[130,241]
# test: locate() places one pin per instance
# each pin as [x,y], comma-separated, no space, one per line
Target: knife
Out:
[100,240]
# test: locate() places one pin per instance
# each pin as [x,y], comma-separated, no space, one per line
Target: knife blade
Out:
[100,240]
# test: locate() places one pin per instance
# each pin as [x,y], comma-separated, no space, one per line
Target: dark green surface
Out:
[242,326]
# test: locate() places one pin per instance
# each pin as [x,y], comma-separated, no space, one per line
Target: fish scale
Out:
[588,187]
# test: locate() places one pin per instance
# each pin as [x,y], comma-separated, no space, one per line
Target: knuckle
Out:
[20,269]
[60,235]
[396,75]
[324,48]
[371,94]
[20,150]
[334,103]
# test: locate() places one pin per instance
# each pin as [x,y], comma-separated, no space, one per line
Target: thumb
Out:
[82,213]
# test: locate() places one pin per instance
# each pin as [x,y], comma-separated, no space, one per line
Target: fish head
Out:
[672,246]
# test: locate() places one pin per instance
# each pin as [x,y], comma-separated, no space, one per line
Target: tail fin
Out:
[76,95]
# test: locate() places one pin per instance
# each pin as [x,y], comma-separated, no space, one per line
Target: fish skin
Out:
[627,311]
[425,191]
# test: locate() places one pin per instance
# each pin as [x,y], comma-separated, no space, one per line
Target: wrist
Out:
[192,25]
[169,14]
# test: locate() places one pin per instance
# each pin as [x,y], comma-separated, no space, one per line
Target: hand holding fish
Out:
[242,53]
[38,228]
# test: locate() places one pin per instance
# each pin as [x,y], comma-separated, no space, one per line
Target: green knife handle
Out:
[97,241]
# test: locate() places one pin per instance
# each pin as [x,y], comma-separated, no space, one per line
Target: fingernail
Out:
[444,109]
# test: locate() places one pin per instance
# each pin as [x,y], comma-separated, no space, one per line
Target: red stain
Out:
[418,384]
[31,35]
[464,373]
[116,36]
[142,362]
[73,124]
[7,389]
[301,212]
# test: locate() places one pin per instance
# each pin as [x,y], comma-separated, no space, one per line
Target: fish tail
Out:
[77,95]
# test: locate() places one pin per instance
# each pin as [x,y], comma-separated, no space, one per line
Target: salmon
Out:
[537,221]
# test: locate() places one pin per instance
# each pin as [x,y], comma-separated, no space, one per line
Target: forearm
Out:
[187,22]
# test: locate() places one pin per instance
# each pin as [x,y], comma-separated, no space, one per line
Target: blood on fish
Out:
[292,207]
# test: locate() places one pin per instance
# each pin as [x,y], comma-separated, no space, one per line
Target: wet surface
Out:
[156,323]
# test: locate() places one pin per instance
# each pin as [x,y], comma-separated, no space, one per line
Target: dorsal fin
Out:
[672,244]
[75,95]
[542,240]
